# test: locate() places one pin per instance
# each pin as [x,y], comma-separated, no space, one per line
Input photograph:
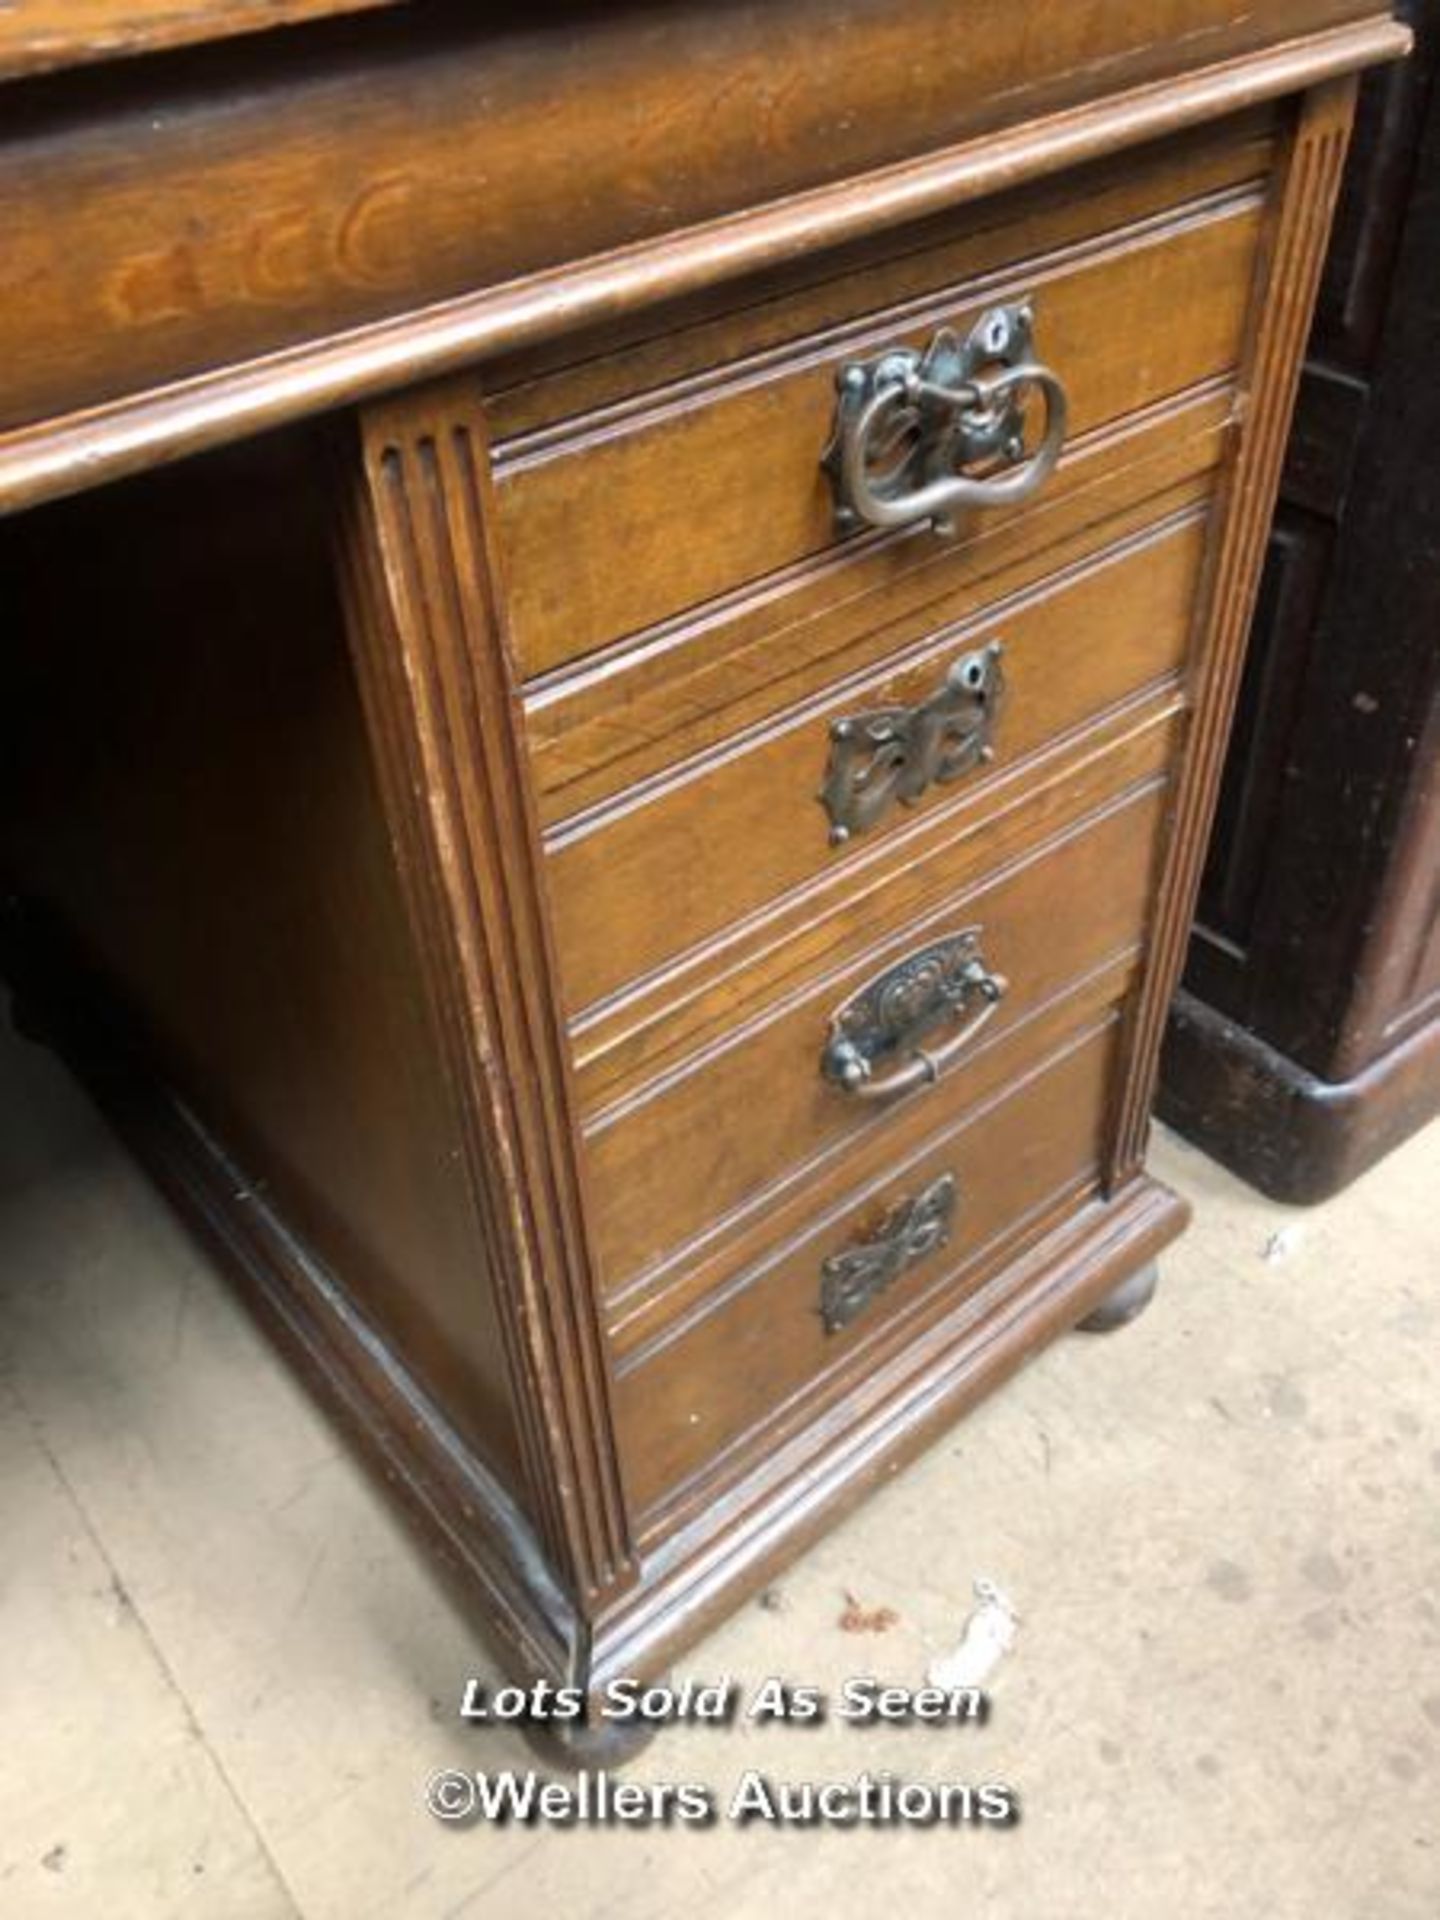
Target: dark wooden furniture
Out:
[578,777]
[1306,1040]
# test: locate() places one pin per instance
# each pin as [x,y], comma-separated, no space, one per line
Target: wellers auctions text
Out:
[600,1800]
[860,1701]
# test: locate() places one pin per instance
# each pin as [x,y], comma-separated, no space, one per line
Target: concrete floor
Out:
[227,1676]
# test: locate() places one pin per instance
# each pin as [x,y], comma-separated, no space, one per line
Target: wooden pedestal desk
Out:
[616,664]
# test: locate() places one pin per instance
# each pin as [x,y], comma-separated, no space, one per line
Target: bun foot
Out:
[574,1746]
[1122,1306]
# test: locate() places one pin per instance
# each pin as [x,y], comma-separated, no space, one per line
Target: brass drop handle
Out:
[947,984]
[909,424]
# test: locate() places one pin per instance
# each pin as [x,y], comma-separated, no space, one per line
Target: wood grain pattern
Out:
[743,659]
[910,1394]
[535,392]
[188,802]
[723,835]
[425,625]
[715,1386]
[648,1309]
[39,34]
[702,488]
[669,1162]
[646,293]
[414,1434]
[305,196]
[1305,194]
[650,1030]
[184,381]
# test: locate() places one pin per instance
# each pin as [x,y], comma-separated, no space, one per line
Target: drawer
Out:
[623,518]
[737,828]
[693,1152]
[698,1004]
[721,1387]
[610,724]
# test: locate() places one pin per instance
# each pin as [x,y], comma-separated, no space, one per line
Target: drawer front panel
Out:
[696,492]
[741,827]
[820,931]
[708,1395]
[740,663]
[547,389]
[702,1146]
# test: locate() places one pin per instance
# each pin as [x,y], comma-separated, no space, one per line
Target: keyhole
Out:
[995,332]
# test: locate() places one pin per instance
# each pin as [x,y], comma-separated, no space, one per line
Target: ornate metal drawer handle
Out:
[888,1019]
[895,753]
[908,423]
[850,1280]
